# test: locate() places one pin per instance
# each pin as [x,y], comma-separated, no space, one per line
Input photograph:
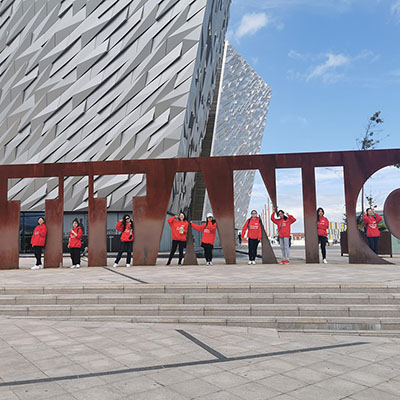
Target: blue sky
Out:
[330,64]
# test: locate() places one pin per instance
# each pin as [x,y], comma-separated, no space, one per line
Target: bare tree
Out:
[369,141]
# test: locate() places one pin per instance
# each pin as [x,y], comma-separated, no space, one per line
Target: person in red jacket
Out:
[38,241]
[125,226]
[371,220]
[322,226]
[284,221]
[75,244]
[179,227]
[209,230]
[253,227]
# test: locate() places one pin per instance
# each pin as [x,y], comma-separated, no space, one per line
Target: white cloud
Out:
[251,24]
[331,69]
[296,55]
[325,69]
[323,6]
[395,9]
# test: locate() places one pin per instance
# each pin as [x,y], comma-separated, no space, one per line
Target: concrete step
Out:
[206,298]
[295,324]
[201,289]
[206,310]
[288,307]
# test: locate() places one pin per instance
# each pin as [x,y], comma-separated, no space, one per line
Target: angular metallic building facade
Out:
[241,114]
[99,80]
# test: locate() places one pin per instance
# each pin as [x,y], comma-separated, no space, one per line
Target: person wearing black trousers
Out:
[125,226]
[75,244]
[179,227]
[253,227]
[38,242]
[322,226]
[209,230]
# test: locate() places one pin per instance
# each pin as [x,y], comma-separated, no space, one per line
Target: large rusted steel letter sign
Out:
[149,211]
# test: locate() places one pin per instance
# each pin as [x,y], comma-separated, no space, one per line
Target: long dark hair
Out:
[323,212]
[44,221]
[213,221]
[76,220]
[284,216]
[366,212]
[124,221]
[184,216]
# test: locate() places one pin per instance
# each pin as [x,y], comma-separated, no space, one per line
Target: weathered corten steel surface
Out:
[190,254]
[310,215]
[391,211]
[267,171]
[97,240]
[54,211]
[9,223]
[149,211]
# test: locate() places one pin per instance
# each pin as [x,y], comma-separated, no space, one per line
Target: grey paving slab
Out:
[134,385]
[307,375]
[313,392]
[225,380]
[8,395]
[363,378]
[374,394]
[194,387]
[391,386]
[170,377]
[253,372]
[341,386]
[160,394]
[39,391]
[221,395]
[282,383]
[253,391]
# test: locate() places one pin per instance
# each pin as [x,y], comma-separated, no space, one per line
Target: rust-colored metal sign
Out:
[149,211]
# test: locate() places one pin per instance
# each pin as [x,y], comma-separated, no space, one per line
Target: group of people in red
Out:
[38,242]
[179,227]
[283,221]
[253,228]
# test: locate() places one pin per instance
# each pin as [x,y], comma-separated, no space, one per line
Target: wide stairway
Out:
[364,308]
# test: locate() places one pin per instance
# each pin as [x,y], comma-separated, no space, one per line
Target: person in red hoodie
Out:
[179,227]
[38,241]
[74,244]
[209,230]
[371,221]
[284,221]
[253,227]
[125,226]
[322,225]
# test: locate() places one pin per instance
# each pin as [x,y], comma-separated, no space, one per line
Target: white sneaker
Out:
[77,265]
[128,265]
[250,262]
[254,263]
[210,263]
[37,266]
[115,265]
[72,266]
[325,262]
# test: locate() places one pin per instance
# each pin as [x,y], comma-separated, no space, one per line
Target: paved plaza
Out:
[65,359]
